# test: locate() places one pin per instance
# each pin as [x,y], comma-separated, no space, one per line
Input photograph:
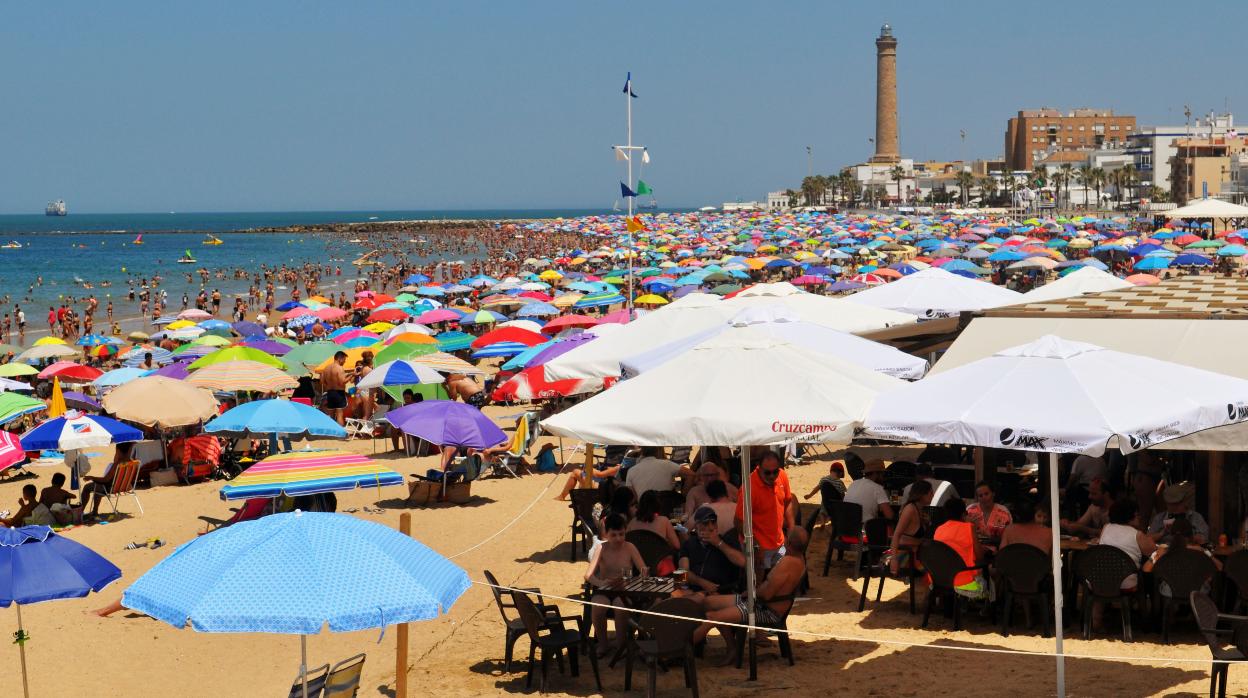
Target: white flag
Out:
[620,154]
[645,156]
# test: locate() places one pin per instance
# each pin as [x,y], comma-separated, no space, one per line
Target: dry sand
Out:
[71,651]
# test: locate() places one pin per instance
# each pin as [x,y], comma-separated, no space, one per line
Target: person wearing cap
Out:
[712,562]
[1178,498]
[869,493]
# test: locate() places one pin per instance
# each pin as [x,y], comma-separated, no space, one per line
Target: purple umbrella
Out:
[447,423]
[559,348]
[248,329]
[269,346]
[81,401]
[176,371]
[845,285]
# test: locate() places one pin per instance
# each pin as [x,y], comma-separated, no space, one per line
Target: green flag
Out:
[643,188]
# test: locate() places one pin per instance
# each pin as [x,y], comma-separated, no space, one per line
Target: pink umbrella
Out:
[358,332]
[11,452]
[365,294]
[807,280]
[438,315]
[620,317]
[194,314]
[566,321]
[330,313]
[296,312]
[68,370]
[868,279]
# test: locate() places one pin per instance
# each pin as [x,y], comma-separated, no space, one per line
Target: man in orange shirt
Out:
[772,504]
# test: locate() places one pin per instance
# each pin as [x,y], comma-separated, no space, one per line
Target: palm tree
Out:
[1068,176]
[1098,183]
[1084,177]
[794,197]
[987,188]
[898,174]
[1008,186]
[849,187]
[1128,180]
[965,180]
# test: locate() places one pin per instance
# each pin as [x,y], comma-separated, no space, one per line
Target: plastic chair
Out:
[1207,619]
[517,448]
[943,565]
[780,629]
[515,628]
[1184,571]
[1102,569]
[582,504]
[652,546]
[1236,569]
[556,640]
[1025,574]
[344,679]
[846,531]
[670,501]
[878,542]
[662,639]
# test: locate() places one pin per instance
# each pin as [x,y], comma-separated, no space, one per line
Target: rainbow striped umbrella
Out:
[309,472]
[598,300]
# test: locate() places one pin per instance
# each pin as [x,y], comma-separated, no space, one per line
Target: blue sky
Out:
[285,105]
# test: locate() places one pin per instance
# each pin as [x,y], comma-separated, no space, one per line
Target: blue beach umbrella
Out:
[499,349]
[296,573]
[119,376]
[537,309]
[160,356]
[1191,260]
[1151,263]
[75,430]
[597,300]
[454,340]
[246,328]
[37,565]
[519,361]
[265,417]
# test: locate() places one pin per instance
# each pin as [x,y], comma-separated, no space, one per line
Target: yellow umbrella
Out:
[650,299]
[320,299]
[379,327]
[179,324]
[57,406]
[550,275]
[354,354]
[567,300]
[42,341]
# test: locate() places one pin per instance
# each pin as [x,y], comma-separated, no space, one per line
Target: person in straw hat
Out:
[869,492]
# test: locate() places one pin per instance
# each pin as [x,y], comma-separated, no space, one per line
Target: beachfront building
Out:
[1152,147]
[1202,167]
[1038,134]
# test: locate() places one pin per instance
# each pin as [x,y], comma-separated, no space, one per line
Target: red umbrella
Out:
[537,296]
[387,315]
[367,303]
[330,313]
[70,371]
[509,334]
[565,321]
[531,384]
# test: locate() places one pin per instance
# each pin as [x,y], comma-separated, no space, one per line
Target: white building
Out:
[1152,147]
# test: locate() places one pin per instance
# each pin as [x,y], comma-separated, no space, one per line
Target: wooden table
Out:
[637,592]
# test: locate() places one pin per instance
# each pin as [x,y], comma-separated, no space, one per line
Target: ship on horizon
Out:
[56,208]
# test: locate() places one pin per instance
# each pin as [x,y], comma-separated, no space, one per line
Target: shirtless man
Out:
[615,557]
[460,386]
[334,383]
[773,599]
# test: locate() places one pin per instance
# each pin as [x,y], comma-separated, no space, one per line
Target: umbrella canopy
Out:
[11,370]
[1077,283]
[80,401]
[71,372]
[15,405]
[158,401]
[531,384]
[308,472]
[10,384]
[516,335]
[238,353]
[1076,403]
[76,430]
[241,375]
[322,569]
[312,354]
[46,351]
[265,417]
[446,363]
[400,372]
[447,423]
[118,376]
[743,387]
[11,452]
[934,292]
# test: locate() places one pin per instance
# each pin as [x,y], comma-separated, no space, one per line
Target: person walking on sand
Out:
[334,383]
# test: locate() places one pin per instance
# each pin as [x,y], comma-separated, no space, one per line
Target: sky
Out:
[306,105]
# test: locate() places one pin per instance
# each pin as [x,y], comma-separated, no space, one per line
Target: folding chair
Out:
[125,477]
[344,679]
[518,448]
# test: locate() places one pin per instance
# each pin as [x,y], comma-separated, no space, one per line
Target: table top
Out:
[639,587]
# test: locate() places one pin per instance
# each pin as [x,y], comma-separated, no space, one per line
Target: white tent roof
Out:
[1076,283]
[1208,208]
[697,312]
[934,292]
[739,388]
[1055,395]
[777,320]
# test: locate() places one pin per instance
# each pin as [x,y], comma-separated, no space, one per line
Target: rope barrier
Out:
[513,522]
[878,641]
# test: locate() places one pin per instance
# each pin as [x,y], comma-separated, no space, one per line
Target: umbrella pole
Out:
[1057,575]
[303,663]
[748,517]
[21,648]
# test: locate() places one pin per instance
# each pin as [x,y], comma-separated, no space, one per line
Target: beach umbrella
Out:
[159,401]
[1191,260]
[11,452]
[14,369]
[191,351]
[451,341]
[268,346]
[404,350]
[446,363]
[56,404]
[531,384]
[447,423]
[72,372]
[411,338]
[15,405]
[934,292]
[95,340]
[37,565]
[406,328]
[45,341]
[1151,263]
[10,384]
[118,376]
[77,430]
[1075,403]
[300,473]
[160,355]
[80,401]
[311,354]
[522,359]
[260,418]
[42,352]
[194,314]
[400,372]
[482,317]
[599,299]
[241,375]
[238,353]
[176,370]
[104,351]
[513,335]
[499,349]
[1143,280]
[212,340]
[247,328]
[317,569]
[430,317]
[537,309]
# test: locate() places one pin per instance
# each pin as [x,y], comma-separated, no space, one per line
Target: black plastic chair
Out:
[1207,619]
[582,502]
[669,501]
[1184,571]
[652,546]
[827,494]
[943,564]
[1102,569]
[556,640]
[877,544]
[780,629]
[663,639]
[1236,569]
[515,626]
[935,517]
[1025,574]
[846,533]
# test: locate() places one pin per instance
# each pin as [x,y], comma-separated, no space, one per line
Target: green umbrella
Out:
[16,368]
[403,350]
[725,289]
[237,354]
[14,405]
[312,353]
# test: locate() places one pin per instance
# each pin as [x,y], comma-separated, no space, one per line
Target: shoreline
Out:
[309,229]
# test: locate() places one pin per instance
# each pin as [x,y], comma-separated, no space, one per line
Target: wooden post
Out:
[587,473]
[981,454]
[400,652]
[1216,461]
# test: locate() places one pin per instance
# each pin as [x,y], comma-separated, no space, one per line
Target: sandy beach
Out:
[460,654]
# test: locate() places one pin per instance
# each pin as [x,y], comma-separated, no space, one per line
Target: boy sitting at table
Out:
[616,558]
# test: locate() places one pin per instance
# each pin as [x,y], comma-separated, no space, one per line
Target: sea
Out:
[64,252]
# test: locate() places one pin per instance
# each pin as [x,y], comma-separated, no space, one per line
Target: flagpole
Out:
[628,101]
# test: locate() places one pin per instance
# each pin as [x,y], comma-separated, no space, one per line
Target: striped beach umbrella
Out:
[441,361]
[400,372]
[77,430]
[14,405]
[241,375]
[309,472]
[454,341]
[599,300]
[237,353]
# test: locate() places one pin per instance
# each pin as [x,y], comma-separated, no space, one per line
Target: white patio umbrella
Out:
[1058,396]
[777,320]
[934,292]
[741,388]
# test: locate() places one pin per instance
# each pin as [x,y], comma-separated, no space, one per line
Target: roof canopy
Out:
[1208,208]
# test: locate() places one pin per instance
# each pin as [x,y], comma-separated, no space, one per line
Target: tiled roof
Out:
[1196,296]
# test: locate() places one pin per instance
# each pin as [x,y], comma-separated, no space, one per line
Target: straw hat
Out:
[1178,493]
[874,466]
